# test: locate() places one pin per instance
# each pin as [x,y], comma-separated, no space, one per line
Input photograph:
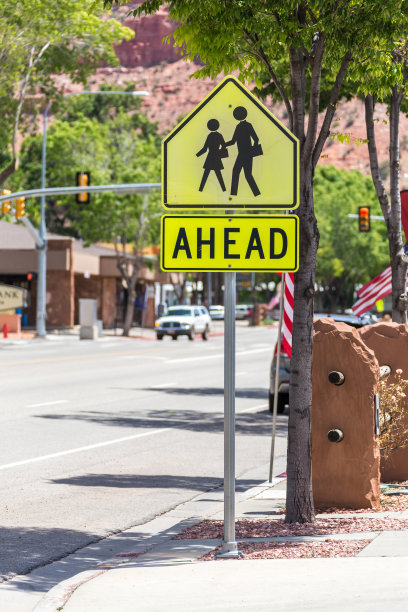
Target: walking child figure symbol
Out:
[248,147]
[215,145]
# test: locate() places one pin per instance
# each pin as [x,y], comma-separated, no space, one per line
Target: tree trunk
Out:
[131,298]
[130,308]
[299,496]
[398,267]
[8,171]
[391,208]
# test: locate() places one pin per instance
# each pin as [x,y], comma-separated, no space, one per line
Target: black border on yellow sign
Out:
[230,205]
[227,269]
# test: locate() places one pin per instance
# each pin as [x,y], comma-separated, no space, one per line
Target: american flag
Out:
[376,289]
[287,325]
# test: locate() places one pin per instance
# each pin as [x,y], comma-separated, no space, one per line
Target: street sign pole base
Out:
[229,551]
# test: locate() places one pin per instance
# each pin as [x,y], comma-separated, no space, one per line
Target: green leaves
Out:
[43,39]
[345,256]
[124,149]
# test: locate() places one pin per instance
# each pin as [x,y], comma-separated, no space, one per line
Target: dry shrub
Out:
[393,418]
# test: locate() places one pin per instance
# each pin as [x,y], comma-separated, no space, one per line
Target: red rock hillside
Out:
[151,65]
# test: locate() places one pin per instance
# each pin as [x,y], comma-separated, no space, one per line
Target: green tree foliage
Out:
[346,257]
[39,41]
[115,146]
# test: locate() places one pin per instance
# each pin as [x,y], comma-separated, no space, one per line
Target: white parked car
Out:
[217,312]
[243,311]
[184,321]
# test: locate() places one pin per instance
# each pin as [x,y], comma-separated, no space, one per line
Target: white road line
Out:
[240,373]
[163,385]
[46,404]
[83,448]
[204,357]
[253,409]
[80,449]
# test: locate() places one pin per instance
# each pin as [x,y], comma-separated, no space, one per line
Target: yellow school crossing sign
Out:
[230,243]
[230,152]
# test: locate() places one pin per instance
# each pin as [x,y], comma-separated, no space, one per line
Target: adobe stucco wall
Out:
[60,283]
[389,341]
[60,298]
[347,473]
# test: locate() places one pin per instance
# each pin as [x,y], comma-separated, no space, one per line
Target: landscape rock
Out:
[346,474]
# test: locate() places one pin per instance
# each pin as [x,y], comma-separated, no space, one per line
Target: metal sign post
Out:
[229,547]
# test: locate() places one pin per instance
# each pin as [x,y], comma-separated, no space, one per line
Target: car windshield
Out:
[179,312]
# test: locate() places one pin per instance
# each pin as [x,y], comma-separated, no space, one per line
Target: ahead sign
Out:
[230,152]
[223,243]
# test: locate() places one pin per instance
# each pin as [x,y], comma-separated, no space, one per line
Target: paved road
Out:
[100,436]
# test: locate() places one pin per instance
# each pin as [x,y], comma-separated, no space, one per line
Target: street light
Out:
[42,251]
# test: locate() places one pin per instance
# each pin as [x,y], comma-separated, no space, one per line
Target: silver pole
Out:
[209,288]
[42,251]
[276,390]
[229,547]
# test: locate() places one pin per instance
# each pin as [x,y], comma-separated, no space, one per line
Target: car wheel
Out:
[191,334]
[174,337]
[160,336]
[283,399]
[205,333]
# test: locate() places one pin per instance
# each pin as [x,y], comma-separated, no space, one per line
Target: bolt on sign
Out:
[230,243]
[230,152]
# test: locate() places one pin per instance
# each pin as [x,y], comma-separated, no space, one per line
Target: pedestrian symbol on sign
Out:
[230,152]
[248,147]
[215,145]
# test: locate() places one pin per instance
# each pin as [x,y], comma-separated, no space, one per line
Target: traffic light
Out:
[364,218]
[20,208]
[6,206]
[83,179]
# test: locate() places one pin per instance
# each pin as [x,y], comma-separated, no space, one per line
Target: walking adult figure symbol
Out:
[215,145]
[248,146]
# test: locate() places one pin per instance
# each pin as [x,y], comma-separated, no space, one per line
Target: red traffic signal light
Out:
[83,179]
[364,218]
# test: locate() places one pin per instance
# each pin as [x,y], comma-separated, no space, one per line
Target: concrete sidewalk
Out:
[157,573]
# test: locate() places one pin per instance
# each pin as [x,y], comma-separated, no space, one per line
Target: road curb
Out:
[57,597]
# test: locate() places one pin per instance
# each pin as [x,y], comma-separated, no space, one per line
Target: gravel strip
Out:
[294,550]
[264,528]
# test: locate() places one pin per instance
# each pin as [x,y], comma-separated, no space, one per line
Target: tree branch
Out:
[278,86]
[297,70]
[331,108]
[317,62]
[372,152]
